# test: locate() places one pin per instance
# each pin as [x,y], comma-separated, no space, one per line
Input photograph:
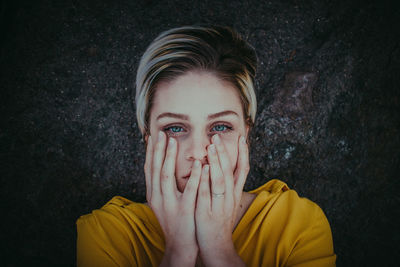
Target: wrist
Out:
[223,256]
[175,256]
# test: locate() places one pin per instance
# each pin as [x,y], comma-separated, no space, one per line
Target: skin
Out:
[196,148]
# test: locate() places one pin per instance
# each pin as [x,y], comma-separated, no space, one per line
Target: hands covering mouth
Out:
[200,219]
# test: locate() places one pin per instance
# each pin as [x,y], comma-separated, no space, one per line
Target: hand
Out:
[216,210]
[174,210]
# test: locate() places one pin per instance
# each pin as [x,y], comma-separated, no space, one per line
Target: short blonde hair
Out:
[215,49]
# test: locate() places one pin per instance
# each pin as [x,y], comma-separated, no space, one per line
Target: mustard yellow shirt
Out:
[278,229]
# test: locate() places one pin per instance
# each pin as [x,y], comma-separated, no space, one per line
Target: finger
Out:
[203,196]
[226,168]
[147,167]
[191,188]
[243,167]
[168,182]
[158,159]
[217,180]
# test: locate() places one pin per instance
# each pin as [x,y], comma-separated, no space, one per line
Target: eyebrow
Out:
[186,118]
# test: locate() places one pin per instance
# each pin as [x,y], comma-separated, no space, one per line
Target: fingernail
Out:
[212,148]
[243,140]
[217,140]
[197,163]
[160,135]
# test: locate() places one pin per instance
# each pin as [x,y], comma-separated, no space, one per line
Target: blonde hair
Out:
[215,49]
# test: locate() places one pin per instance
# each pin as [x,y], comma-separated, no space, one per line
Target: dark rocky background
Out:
[328,114]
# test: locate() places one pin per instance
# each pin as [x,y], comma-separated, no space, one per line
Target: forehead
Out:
[196,94]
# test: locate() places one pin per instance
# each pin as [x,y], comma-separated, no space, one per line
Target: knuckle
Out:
[153,202]
[222,154]
[169,156]
[237,197]
[226,168]
[165,177]
[159,146]
[204,193]
[245,148]
[164,174]
[203,182]
[220,181]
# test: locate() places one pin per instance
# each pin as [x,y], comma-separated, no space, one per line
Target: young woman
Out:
[195,106]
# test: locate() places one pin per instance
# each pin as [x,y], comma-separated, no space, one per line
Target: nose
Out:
[197,148]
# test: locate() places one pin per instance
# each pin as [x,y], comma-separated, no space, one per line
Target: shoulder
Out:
[298,223]
[276,195]
[113,209]
[119,204]
[120,212]
[108,234]
[310,230]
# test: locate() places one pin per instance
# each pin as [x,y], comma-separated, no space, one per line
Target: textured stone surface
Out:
[327,123]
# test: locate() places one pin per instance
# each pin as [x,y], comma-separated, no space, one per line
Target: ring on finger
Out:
[221,195]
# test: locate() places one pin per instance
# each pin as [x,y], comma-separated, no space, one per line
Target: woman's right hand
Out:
[174,210]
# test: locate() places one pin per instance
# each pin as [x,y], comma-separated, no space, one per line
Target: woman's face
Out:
[192,108]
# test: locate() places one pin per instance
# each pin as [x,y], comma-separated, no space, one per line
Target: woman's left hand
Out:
[216,210]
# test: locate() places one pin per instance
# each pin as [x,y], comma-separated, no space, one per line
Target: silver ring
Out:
[222,195]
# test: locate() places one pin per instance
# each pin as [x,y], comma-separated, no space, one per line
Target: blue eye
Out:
[221,128]
[175,129]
